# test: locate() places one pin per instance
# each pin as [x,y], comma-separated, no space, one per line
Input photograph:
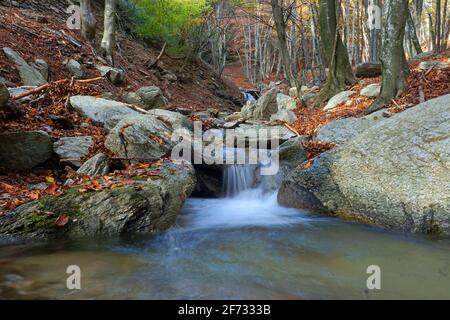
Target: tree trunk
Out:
[88,22]
[340,72]
[413,33]
[445,24]
[109,32]
[393,60]
[285,56]
[437,31]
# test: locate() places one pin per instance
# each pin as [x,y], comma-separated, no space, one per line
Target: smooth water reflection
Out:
[242,248]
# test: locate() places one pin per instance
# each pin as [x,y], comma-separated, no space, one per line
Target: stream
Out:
[244,246]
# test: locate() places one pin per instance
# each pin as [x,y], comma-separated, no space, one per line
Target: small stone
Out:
[338,99]
[286,102]
[75,68]
[432,64]
[41,66]
[371,91]
[98,165]
[72,149]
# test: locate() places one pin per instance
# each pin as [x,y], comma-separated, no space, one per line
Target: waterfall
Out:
[238,178]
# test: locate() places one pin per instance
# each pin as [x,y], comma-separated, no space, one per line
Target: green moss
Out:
[39,221]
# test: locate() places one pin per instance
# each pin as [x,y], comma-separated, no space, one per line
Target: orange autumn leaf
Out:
[51,189]
[34,195]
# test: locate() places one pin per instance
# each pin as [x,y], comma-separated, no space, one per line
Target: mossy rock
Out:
[147,206]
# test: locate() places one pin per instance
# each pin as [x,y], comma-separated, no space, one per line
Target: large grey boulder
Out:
[396,174]
[140,138]
[4,95]
[21,151]
[150,204]
[98,165]
[100,110]
[73,149]
[174,119]
[343,130]
[338,99]
[286,102]
[290,154]
[29,75]
[267,105]
[147,98]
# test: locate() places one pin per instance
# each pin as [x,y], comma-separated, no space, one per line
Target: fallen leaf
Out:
[62,220]
[50,179]
[51,189]
[34,195]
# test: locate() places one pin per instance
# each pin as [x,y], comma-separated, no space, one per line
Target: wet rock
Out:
[21,151]
[73,149]
[98,109]
[28,75]
[395,174]
[98,165]
[150,204]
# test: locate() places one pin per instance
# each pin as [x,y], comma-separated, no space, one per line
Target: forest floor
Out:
[198,88]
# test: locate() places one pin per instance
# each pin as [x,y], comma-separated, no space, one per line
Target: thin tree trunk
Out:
[393,60]
[437,31]
[109,32]
[88,22]
[413,33]
[340,72]
[281,33]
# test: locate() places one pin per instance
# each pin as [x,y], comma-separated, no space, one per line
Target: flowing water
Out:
[241,247]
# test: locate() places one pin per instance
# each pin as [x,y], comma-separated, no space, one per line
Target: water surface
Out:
[246,247]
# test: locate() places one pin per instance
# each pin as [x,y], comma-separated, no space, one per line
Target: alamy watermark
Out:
[374,280]
[74,20]
[73,282]
[374,19]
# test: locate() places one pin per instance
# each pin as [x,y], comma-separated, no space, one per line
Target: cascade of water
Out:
[238,178]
